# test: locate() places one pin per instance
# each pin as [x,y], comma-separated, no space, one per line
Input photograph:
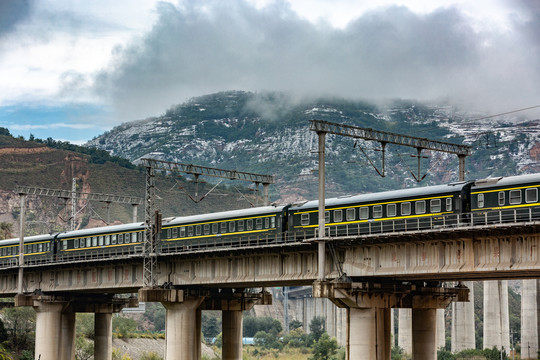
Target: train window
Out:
[169,233]
[273,222]
[406,208]
[40,247]
[174,232]
[420,207]
[133,237]
[350,214]
[258,223]
[326,217]
[76,244]
[100,241]
[206,229]
[304,219]
[113,239]
[480,200]
[231,226]
[214,228]
[338,215]
[190,231]
[240,225]
[364,213]
[198,230]
[515,197]
[120,238]
[249,224]
[377,211]
[223,227]
[391,210]
[531,195]
[449,204]
[182,232]
[64,246]
[501,198]
[266,223]
[107,240]
[48,246]
[435,205]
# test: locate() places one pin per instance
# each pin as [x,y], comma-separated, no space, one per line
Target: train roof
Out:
[225,215]
[506,181]
[385,195]
[101,230]
[32,238]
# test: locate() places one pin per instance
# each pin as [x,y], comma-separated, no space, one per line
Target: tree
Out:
[84,349]
[295,324]
[316,328]
[210,326]
[325,348]
[124,326]
[296,338]
[85,325]
[267,340]
[20,324]
[252,325]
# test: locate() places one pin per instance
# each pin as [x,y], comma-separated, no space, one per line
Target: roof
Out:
[263,210]
[385,195]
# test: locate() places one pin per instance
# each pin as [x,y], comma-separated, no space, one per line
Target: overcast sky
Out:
[71,69]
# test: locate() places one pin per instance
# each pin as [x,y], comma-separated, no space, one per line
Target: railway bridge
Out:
[367,274]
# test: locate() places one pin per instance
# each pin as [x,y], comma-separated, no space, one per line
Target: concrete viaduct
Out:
[368,275]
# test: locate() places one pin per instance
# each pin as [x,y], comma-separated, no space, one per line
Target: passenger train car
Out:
[406,209]
[503,199]
[229,228]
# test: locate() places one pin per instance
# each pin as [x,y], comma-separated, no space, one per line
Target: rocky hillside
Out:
[48,164]
[269,133]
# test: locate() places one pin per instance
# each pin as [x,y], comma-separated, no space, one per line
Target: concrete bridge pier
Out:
[530,319]
[49,328]
[183,329]
[103,336]
[496,318]
[424,334]
[183,318]
[463,335]
[182,321]
[368,333]
[55,323]
[405,330]
[67,341]
[369,307]
[232,304]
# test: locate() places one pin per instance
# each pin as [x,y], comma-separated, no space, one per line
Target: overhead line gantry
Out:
[152,217]
[324,127]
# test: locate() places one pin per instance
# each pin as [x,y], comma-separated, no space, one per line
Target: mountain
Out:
[53,165]
[268,133]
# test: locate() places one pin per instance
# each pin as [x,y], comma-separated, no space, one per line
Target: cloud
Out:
[29,127]
[205,46]
[11,13]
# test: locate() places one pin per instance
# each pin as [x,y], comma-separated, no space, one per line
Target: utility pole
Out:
[21,245]
[73,202]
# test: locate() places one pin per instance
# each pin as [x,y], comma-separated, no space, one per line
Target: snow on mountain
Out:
[264,133]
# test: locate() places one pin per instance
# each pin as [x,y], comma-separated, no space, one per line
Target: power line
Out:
[505,113]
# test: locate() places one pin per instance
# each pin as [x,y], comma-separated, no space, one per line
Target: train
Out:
[476,202]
